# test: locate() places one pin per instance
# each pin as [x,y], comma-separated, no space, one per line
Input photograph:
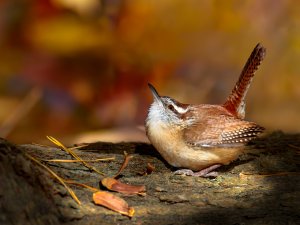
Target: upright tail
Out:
[235,103]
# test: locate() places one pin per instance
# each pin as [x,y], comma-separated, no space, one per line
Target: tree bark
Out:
[261,187]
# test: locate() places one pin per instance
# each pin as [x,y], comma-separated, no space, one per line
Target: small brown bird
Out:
[203,137]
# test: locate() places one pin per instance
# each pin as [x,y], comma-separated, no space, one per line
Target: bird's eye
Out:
[171,107]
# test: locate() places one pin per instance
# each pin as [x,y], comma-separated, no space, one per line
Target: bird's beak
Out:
[155,94]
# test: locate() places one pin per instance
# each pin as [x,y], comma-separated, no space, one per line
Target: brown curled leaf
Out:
[124,164]
[113,202]
[150,168]
[115,185]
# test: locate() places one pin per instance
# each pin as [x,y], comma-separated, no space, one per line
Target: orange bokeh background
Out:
[72,67]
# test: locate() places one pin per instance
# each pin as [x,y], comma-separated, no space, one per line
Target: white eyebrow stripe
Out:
[180,109]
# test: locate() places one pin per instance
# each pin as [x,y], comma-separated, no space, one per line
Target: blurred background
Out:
[78,70]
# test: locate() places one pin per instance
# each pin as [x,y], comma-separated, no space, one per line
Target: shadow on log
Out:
[262,187]
[24,189]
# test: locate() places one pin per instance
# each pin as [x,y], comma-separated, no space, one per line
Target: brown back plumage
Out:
[235,103]
[215,126]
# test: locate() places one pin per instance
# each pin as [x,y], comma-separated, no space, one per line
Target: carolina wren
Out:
[203,137]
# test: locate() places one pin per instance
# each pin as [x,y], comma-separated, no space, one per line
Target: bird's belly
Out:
[178,154]
[186,157]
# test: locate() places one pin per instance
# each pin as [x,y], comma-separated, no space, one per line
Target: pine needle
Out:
[269,174]
[55,176]
[82,185]
[79,146]
[76,160]
[59,144]
[294,146]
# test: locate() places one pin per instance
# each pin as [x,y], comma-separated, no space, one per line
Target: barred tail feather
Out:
[235,102]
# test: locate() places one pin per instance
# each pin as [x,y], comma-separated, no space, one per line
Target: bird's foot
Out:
[207,172]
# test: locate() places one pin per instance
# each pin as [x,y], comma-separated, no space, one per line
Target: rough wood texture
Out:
[28,194]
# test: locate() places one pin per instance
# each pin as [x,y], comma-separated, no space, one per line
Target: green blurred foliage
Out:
[93,59]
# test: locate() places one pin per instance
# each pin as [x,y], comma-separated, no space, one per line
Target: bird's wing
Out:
[221,130]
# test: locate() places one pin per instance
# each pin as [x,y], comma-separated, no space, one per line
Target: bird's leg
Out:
[207,172]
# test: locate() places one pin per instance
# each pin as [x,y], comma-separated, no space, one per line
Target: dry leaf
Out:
[124,164]
[115,185]
[150,168]
[113,202]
